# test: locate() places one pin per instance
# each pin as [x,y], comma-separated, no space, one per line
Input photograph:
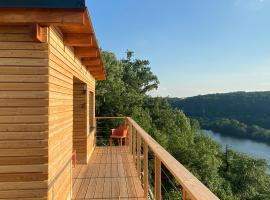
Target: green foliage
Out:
[235,128]
[253,183]
[124,90]
[237,114]
[124,93]
[173,195]
[247,107]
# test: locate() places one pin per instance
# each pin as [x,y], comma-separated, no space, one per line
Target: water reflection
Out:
[252,148]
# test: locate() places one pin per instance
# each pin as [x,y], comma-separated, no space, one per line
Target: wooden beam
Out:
[100,77]
[79,39]
[38,33]
[91,59]
[84,52]
[94,67]
[100,73]
[91,62]
[87,28]
[56,17]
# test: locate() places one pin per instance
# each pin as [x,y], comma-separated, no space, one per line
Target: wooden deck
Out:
[110,174]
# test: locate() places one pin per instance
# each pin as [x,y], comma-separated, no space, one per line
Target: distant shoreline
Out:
[238,144]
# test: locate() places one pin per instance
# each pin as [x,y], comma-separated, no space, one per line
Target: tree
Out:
[125,93]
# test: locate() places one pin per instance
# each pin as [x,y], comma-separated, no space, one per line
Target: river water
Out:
[252,148]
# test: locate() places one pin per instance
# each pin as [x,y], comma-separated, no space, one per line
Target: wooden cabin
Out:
[49,64]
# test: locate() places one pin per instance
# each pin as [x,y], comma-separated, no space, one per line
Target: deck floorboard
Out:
[110,174]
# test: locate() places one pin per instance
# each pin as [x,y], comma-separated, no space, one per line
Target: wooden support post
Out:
[130,135]
[157,178]
[134,144]
[138,160]
[145,169]
[185,195]
[127,138]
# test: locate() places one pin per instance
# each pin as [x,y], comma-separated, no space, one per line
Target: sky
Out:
[195,47]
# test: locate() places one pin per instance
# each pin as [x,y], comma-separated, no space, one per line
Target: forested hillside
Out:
[251,108]
[238,114]
[230,176]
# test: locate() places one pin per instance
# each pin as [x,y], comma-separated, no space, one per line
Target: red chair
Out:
[119,133]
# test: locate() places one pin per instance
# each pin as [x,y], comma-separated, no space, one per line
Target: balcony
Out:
[134,170]
[109,175]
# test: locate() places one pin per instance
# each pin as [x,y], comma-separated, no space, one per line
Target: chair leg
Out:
[121,141]
[110,141]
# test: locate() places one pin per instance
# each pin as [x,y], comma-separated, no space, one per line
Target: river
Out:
[252,148]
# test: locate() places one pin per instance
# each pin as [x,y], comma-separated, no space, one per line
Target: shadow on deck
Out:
[110,174]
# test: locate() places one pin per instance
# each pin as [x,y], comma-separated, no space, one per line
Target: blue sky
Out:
[194,46]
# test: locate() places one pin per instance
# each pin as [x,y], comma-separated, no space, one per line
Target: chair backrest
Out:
[115,131]
[123,130]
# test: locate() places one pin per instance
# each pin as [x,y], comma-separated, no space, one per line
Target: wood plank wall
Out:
[36,114]
[92,109]
[91,140]
[23,115]
[80,121]
[64,70]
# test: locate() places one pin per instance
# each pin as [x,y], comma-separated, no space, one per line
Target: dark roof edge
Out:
[43,4]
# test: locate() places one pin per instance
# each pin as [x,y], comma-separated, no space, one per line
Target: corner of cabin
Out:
[71,108]
[49,62]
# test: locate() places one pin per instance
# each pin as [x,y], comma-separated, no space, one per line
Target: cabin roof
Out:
[70,16]
[43,4]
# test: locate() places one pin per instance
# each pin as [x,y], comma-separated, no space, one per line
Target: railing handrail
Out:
[195,189]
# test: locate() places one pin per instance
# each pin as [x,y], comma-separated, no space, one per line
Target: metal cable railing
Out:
[162,173]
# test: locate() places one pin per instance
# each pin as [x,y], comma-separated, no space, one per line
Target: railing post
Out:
[130,135]
[185,195]
[145,169]
[139,167]
[134,144]
[127,138]
[95,126]
[157,178]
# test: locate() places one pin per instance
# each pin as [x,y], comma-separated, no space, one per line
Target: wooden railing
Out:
[192,188]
